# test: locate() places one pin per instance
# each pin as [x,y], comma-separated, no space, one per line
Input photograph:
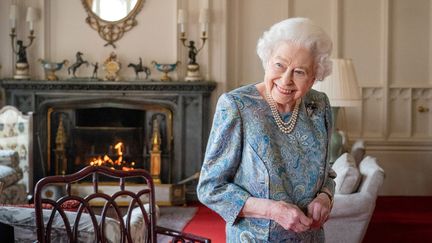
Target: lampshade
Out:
[341,86]
[181,17]
[31,14]
[204,16]
[13,12]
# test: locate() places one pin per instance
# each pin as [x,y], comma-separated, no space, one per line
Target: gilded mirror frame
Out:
[112,31]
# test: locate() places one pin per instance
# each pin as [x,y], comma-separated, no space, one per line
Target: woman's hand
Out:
[319,210]
[289,216]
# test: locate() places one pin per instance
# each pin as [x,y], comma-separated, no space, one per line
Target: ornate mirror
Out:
[112,18]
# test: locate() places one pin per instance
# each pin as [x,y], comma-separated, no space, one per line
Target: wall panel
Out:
[373,113]
[249,19]
[361,29]
[409,45]
[421,113]
[405,172]
[400,103]
[319,11]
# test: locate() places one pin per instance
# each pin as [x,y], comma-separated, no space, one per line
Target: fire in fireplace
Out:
[117,164]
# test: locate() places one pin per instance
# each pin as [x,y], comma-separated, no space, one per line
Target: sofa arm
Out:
[343,206]
[9,158]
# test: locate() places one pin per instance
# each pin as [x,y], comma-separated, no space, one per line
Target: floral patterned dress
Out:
[247,155]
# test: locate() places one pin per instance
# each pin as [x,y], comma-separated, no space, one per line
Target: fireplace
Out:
[78,120]
[83,131]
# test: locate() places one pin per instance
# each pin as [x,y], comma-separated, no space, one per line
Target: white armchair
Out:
[352,212]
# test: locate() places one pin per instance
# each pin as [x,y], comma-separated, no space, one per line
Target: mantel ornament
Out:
[18,46]
[112,67]
[193,68]
[138,68]
[165,68]
[51,67]
[78,62]
[112,20]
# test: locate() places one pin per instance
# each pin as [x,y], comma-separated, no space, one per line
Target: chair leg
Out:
[7,233]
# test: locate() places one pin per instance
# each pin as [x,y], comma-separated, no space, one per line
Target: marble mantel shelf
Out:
[79,84]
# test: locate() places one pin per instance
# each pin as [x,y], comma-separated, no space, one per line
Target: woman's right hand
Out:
[289,216]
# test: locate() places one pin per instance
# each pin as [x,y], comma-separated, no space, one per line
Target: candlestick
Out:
[18,47]
[193,73]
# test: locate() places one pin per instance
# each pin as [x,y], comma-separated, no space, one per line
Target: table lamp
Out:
[343,91]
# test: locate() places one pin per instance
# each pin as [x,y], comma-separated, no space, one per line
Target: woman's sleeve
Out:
[216,188]
[329,182]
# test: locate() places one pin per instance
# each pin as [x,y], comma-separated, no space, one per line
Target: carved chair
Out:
[124,228]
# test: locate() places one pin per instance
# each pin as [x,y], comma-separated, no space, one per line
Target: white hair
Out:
[300,31]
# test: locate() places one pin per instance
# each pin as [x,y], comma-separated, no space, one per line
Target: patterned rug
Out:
[174,218]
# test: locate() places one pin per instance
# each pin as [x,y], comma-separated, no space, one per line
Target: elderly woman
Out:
[265,169]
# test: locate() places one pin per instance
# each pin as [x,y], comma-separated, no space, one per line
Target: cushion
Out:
[138,228]
[14,194]
[9,158]
[358,151]
[9,175]
[348,175]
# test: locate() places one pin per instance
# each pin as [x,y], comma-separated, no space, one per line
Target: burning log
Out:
[118,164]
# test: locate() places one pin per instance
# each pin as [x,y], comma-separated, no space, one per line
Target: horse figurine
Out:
[51,67]
[140,68]
[79,61]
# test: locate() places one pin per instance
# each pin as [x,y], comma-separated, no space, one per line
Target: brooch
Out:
[310,108]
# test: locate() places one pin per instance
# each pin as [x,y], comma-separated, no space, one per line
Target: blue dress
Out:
[247,155]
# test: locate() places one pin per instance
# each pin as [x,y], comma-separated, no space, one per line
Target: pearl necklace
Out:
[285,127]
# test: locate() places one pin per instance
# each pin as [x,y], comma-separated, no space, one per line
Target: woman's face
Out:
[289,73]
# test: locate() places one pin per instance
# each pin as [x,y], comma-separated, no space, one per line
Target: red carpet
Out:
[401,219]
[208,224]
[395,219]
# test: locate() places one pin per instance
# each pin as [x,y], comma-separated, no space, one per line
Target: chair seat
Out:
[23,220]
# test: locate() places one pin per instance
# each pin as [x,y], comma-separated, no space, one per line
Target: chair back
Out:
[16,133]
[85,204]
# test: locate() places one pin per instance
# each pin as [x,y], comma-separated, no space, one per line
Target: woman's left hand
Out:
[319,210]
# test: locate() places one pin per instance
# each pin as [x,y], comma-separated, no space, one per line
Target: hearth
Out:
[76,120]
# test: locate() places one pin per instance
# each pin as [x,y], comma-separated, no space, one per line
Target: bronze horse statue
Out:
[140,68]
[79,61]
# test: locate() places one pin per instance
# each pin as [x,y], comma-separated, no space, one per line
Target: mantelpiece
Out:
[187,102]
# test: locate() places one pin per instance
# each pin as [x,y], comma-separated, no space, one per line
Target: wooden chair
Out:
[85,207]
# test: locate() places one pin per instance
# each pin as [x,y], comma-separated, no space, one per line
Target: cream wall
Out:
[389,45]
[154,38]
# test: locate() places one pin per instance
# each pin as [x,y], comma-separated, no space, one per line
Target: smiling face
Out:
[289,74]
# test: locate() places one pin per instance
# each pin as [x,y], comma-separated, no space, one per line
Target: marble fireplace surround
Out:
[188,101]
